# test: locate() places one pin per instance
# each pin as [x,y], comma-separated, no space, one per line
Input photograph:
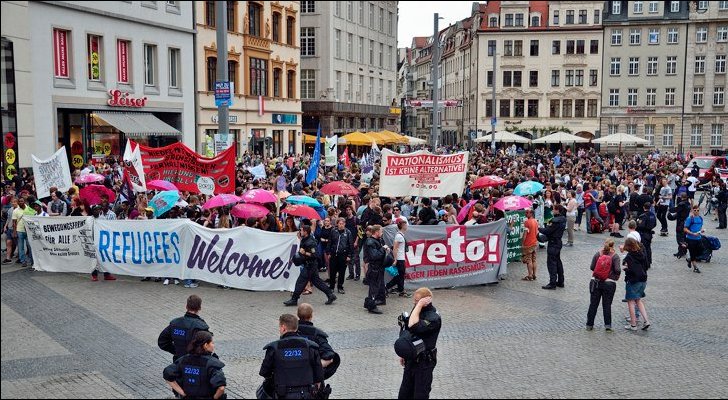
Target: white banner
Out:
[52,172]
[61,244]
[134,166]
[332,151]
[422,174]
[258,171]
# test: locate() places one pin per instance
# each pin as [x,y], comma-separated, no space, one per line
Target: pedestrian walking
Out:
[603,284]
[375,254]
[399,249]
[309,269]
[341,247]
[693,235]
[635,277]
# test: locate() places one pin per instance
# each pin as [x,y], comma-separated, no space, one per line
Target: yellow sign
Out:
[10,156]
[107,148]
[395,110]
[77,161]
[9,171]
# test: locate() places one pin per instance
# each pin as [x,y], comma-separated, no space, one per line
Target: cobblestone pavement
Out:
[64,336]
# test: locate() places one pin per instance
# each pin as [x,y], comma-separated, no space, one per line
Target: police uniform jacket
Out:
[554,231]
[309,245]
[175,337]
[374,253]
[198,375]
[428,327]
[316,335]
[292,361]
[341,243]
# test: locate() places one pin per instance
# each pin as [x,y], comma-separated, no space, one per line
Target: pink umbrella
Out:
[512,203]
[339,187]
[488,181]
[249,210]
[463,214]
[90,178]
[302,211]
[221,200]
[259,196]
[161,185]
[92,194]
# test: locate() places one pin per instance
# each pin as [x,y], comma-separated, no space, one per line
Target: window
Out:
[569,17]
[507,78]
[696,135]
[535,21]
[594,47]
[491,48]
[337,8]
[489,79]
[698,96]
[651,98]
[716,135]
[371,52]
[174,66]
[508,46]
[517,75]
[372,18]
[533,108]
[361,50]
[650,134]
[653,36]
[635,36]
[291,84]
[390,24]
[509,19]
[534,48]
[308,83]
[519,108]
[632,129]
[582,16]
[350,47]
[122,61]
[210,13]
[593,77]
[381,55]
[361,12]
[670,96]
[493,22]
[277,82]
[615,66]
[505,108]
[308,42]
[634,66]
[613,97]
[255,14]
[555,77]
[720,64]
[637,7]
[699,64]
[653,7]
[701,34]
[211,73]
[667,131]
[569,77]
[290,29]
[488,108]
[337,43]
[150,64]
[591,108]
[723,5]
[233,75]
[631,97]
[60,54]
[258,77]
[671,66]
[718,93]
[652,65]
[616,7]
[616,37]
[554,108]
[579,77]
[579,106]
[722,33]
[556,17]
[350,11]
[556,47]
[702,5]
[308,7]
[674,6]
[276,27]
[381,19]
[672,35]
[612,129]
[597,16]
[580,46]
[337,86]
[533,79]
[518,47]
[359,91]
[231,7]
[93,57]
[566,108]
[570,46]
[519,19]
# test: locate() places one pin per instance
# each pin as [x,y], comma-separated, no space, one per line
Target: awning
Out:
[137,124]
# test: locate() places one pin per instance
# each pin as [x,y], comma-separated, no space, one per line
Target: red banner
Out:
[188,170]
[60,53]
[122,61]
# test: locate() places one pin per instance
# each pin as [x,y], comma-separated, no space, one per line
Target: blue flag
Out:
[314,168]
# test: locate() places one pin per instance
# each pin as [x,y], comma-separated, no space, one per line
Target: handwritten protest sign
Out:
[52,172]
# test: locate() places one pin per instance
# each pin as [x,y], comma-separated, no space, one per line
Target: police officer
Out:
[330,360]
[722,197]
[681,212]
[292,363]
[646,222]
[374,254]
[198,374]
[424,323]
[554,231]
[309,271]
[179,333]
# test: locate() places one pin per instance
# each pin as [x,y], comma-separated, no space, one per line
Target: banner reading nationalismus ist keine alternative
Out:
[62,244]
[422,174]
[454,255]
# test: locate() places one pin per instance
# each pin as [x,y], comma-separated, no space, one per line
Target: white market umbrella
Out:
[413,141]
[560,137]
[620,139]
[502,137]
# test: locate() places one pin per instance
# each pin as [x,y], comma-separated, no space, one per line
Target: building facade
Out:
[263,59]
[89,75]
[348,65]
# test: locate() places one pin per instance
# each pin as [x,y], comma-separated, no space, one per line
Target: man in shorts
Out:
[530,242]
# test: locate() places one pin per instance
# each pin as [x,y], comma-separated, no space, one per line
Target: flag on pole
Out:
[314,168]
[133,167]
[375,153]
[345,158]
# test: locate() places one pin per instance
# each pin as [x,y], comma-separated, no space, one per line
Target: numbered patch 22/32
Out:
[292,353]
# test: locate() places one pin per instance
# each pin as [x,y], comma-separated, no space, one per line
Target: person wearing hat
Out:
[39,209]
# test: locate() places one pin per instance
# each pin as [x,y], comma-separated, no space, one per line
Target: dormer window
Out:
[535,21]
[493,22]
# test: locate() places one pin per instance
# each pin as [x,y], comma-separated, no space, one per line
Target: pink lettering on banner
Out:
[454,249]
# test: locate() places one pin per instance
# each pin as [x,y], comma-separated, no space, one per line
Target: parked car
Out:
[707,165]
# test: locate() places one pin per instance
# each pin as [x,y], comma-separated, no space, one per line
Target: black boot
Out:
[291,302]
[331,299]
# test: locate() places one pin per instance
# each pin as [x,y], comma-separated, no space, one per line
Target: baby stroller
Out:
[708,244]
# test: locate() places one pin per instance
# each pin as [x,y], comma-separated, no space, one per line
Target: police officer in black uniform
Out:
[198,374]
[375,253]
[330,360]
[309,271]
[680,213]
[422,324]
[646,222]
[179,333]
[292,364]
[722,197]
[554,231]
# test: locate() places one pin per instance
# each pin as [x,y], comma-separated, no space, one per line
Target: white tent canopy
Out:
[620,138]
[413,141]
[560,137]
[502,137]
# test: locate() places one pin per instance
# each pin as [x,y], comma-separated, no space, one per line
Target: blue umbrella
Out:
[528,187]
[163,202]
[304,200]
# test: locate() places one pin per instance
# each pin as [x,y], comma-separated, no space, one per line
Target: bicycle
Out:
[707,196]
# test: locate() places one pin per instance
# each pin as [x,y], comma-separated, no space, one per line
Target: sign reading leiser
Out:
[422,174]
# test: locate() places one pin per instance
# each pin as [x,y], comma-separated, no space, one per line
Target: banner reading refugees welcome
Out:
[61,244]
[453,255]
[188,170]
[422,174]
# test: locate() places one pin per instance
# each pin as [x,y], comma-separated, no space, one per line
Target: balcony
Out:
[577,60]
[256,43]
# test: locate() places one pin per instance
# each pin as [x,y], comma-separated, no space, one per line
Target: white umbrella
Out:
[560,137]
[413,141]
[502,137]
[620,138]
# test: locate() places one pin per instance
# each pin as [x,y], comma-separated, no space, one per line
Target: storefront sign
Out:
[123,99]
[395,110]
[287,119]
[422,173]
[635,110]
[428,103]
[233,119]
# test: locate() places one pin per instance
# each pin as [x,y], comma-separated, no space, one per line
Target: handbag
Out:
[392,270]
[388,259]
[298,259]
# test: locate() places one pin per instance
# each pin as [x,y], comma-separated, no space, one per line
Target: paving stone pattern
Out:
[64,336]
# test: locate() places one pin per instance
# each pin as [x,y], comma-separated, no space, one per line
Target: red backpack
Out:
[603,267]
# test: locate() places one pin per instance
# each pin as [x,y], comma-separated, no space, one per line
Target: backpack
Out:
[603,267]
[596,226]
[603,210]
[714,243]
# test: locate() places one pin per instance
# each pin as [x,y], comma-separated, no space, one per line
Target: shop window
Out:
[93,59]
[122,61]
[60,53]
